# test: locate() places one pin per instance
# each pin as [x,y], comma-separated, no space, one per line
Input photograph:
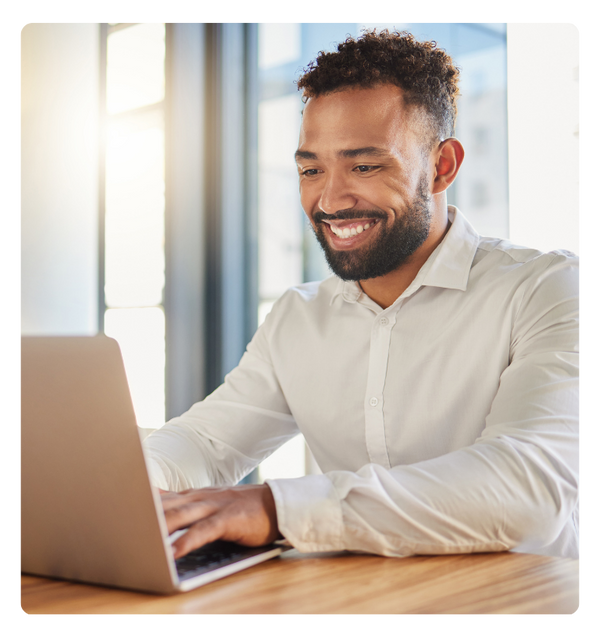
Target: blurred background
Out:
[159,191]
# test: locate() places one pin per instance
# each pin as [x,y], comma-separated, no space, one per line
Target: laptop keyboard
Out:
[212,556]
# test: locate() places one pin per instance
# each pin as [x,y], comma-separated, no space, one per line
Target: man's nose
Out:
[336,194]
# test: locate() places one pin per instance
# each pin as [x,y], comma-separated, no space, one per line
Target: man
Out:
[434,377]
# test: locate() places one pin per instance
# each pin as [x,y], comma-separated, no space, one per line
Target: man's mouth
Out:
[346,228]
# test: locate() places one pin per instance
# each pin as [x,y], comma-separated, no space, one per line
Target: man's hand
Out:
[244,514]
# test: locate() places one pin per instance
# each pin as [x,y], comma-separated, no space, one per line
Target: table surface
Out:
[505,583]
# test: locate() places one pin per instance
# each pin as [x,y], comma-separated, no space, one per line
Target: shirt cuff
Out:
[309,513]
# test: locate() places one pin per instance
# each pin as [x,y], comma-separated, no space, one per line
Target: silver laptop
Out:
[88,511]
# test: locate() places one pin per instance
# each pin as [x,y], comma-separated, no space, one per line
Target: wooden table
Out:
[295,583]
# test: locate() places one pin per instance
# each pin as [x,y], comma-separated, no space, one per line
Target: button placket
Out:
[378,361]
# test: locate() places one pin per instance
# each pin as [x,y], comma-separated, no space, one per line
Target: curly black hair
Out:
[424,72]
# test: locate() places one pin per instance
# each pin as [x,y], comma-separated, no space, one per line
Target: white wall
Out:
[59,168]
[543,135]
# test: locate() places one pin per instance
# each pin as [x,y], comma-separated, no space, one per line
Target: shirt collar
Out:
[448,266]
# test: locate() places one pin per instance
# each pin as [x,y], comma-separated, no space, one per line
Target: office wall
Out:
[543,135]
[59,168]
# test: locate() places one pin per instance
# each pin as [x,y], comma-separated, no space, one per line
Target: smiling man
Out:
[434,375]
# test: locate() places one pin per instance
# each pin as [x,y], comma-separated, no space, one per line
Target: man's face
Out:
[364,180]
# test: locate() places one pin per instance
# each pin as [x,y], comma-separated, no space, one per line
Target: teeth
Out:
[347,232]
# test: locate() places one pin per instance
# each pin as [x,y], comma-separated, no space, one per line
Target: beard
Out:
[397,241]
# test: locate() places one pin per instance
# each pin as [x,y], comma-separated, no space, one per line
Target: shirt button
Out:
[384,321]
[373,401]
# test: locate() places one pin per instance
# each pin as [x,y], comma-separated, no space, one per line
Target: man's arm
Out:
[220,440]
[516,486]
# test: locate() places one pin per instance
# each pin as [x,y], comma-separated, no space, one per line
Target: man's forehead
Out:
[374,101]
[354,110]
[349,121]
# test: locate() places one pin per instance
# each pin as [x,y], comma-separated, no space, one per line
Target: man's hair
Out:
[425,73]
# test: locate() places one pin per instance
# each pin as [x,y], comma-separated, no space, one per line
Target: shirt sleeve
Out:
[221,439]
[514,487]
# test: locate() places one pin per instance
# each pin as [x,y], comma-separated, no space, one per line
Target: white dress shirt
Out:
[446,423]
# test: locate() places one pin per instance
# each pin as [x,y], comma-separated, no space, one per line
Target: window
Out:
[134,211]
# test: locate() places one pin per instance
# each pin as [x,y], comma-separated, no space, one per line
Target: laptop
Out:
[88,510]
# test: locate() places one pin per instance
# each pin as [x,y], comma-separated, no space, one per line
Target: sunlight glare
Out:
[135,67]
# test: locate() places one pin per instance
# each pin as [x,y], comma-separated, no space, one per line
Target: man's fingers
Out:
[181,513]
[205,531]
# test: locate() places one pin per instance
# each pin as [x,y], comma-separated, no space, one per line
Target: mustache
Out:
[349,213]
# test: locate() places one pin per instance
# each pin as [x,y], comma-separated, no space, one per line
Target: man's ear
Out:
[450,155]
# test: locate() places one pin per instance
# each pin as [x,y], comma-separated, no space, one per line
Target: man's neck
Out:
[386,289]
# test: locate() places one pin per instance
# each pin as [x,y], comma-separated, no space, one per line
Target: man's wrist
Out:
[271,510]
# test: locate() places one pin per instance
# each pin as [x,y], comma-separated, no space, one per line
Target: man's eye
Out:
[363,168]
[309,172]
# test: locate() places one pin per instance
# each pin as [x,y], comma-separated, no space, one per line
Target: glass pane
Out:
[287,462]
[135,67]
[281,219]
[481,188]
[135,206]
[141,336]
[278,44]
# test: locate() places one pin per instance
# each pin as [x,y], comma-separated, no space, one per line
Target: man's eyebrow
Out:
[372,151]
[366,150]
[305,155]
